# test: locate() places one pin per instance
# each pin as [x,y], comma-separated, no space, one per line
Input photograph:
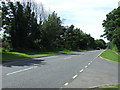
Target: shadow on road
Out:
[25,62]
[31,61]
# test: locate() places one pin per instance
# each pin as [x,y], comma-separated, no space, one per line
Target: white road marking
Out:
[86,66]
[45,57]
[74,55]
[67,58]
[75,76]
[82,53]
[66,84]
[100,53]
[36,64]
[22,70]
[50,57]
[91,61]
[81,70]
[88,63]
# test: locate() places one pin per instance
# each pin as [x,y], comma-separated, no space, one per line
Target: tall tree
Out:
[100,43]
[112,27]
[27,27]
[50,31]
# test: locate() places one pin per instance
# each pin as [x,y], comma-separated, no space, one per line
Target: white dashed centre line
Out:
[88,63]
[66,84]
[22,70]
[86,66]
[75,76]
[81,70]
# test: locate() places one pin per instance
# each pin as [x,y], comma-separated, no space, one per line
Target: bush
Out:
[6,46]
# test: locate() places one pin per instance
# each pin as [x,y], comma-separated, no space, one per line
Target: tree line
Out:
[29,26]
[112,28]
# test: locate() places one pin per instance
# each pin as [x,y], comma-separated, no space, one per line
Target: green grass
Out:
[109,54]
[7,56]
[106,87]
[110,87]
[114,48]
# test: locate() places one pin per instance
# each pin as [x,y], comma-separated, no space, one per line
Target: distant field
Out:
[109,54]
[25,54]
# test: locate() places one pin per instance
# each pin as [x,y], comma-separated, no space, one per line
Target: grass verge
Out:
[109,54]
[9,56]
[111,86]
[106,87]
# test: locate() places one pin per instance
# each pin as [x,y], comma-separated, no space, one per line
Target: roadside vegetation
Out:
[106,87]
[111,55]
[112,33]
[110,86]
[28,26]
[8,56]
[31,31]
[112,28]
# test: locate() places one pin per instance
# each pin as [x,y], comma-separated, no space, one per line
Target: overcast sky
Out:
[87,15]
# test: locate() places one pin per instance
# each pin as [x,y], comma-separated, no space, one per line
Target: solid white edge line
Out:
[22,70]
[81,70]
[66,84]
[98,55]
[75,76]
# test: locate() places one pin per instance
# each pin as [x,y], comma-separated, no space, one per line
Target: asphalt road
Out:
[100,73]
[47,72]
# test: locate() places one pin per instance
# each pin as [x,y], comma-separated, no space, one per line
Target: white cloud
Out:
[43,1]
[86,14]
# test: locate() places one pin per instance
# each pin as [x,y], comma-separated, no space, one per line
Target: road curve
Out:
[47,72]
